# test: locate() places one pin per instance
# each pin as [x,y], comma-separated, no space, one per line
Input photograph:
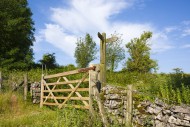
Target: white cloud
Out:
[69,23]
[160,42]
[129,30]
[170,29]
[186,32]
[186,46]
[55,35]
[87,15]
[186,22]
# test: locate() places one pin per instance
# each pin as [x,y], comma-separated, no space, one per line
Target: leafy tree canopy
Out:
[139,51]
[177,70]
[85,51]
[16,34]
[49,60]
[115,53]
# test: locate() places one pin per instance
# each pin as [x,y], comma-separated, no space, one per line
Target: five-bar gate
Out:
[58,90]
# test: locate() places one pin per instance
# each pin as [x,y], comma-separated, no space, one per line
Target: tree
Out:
[16,34]
[177,70]
[114,53]
[49,60]
[139,51]
[85,51]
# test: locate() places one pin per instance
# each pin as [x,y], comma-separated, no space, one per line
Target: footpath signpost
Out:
[103,42]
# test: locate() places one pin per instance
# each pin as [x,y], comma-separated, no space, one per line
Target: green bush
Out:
[172,88]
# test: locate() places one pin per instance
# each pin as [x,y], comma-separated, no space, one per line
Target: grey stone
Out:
[159,116]
[123,91]
[124,103]
[181,109]
[106,103]
[172,119]
[114,104]
[179,115]
[187,117]
[172,125]
[150,110]
[139,106]
[113,97]
[140,121]
[145,103]
[154,109]
[115,112]
[159,124]
[166,112]
[184,123]
[165,118]
[124,98]
[159,102]
[178,121]
[157,110]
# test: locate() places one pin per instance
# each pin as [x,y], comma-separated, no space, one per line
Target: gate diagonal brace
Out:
[52,89]
[50,92]
[77,93]
[61,105]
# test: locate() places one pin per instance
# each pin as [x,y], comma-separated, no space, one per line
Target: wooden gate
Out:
[58,90]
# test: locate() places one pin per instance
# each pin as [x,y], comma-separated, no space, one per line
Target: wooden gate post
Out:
[1,80]
[93,91]
[129,106]
[25,86]
[42,91]
[92,83]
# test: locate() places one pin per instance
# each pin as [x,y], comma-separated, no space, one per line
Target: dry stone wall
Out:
[146,113]
[115,100]
[35,91]
[159,114]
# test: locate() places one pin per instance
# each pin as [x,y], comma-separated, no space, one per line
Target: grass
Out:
[31,117]
[17,113]
[173,88]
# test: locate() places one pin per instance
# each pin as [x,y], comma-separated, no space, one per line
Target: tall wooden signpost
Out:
[103,42]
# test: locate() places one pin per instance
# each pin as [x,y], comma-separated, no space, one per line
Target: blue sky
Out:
[59,23]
